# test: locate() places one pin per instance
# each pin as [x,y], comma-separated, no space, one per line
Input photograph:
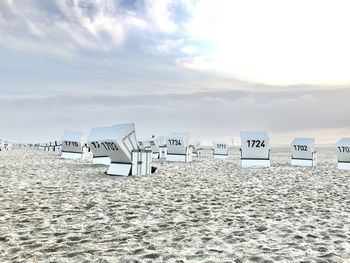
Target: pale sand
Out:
[54,210]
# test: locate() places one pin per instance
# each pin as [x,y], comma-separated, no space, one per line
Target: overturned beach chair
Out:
[178,148]
[255,150]
[343,153]
[303,152]
[220,150]
[119,143]
[72,147]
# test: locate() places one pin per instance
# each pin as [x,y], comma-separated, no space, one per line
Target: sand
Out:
[54,210]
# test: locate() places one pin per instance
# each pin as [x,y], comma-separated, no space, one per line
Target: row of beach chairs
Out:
[118,147]
[5,145]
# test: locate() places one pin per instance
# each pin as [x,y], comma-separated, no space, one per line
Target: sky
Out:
[211,68]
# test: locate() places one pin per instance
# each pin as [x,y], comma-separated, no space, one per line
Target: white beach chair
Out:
[220,150]
[87,153]
[119,143]
[45,147]
[51,147]
[155,143]
[255,150]
[41,146]
[343,153]
[144,144]
[178,148]
[163,152]
[7,146]
[58,147]
[197,149]
[303,152]
[72,147]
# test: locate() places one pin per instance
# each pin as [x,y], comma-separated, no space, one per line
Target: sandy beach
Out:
[54,210]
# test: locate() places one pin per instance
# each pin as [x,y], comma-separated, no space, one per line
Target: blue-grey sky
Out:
[208,67]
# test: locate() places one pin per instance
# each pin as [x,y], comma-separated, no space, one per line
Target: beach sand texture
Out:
[54,210]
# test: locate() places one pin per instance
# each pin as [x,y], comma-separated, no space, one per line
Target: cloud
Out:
[272,41]
[171,65]
[207,115]
[64,26]
[275,42]
[61,26]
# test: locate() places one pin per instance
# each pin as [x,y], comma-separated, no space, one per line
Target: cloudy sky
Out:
[209,67]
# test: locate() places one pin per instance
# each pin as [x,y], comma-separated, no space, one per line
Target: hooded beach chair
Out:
[179,148]
[220,150]
[72,146]
[303,152]
[343,153]
[255,150]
